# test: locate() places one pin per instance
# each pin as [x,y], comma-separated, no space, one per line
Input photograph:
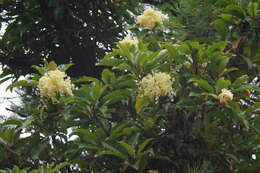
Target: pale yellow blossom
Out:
[150,18]
[204,65]
[153,171]
[156,85]
[128,40]
[55,82]
[187,64]
[225,96]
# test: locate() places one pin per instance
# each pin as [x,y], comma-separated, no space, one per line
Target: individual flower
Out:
[150,18]
[225,96]
[204,65]
[55,82]
[128,40]
[153,171]
[156,85]
[187,64]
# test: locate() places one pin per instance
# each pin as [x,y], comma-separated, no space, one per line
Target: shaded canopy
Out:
[64,31]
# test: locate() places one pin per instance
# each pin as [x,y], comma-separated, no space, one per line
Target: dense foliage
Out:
[176,96]
[65,31]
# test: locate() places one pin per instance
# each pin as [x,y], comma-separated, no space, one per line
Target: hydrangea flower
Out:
[55,82]
[156,85]
[150,18]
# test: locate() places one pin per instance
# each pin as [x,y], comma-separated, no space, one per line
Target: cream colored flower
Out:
[204,65]
[156,85]
[153,171]
[225,96]
[187,64]
[55,82]
[128,40]
[150,18]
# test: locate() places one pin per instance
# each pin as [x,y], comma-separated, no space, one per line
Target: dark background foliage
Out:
[64,31]
[82,32]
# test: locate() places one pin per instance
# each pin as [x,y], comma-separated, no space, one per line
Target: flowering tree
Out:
[162,105]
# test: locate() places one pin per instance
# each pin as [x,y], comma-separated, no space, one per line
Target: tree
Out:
[164,104]
[64,31]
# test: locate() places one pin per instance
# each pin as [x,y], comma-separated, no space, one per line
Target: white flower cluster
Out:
[55,82]
[150,18]
[156,85]
[225,96]
[128,40]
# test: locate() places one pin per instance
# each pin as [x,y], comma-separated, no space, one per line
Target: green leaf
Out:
[174,52]
[68,99]
[221,26]
[222,83]
[124,83]
[172,24]
[227,17]
[86,135]
[91,147]
[22,83]
[144,145]
[124,66]
[246,87]
[239,81]
[134,136]
[237,113]
[210,94]
[58,167]
[204,84]
[226,71]
[117,131]
[2,141]
[243,119]
[86,79]
[140,103]
[116,96]
[219,46]
[39,69]
[128,148]
[8,136]
[235,10]
[108,76]
[113,153]
[218,65]
[96,90]
[252,9]
[252,108]
[112,62]
[125,51]
[150,58]
[221,66]
[113,148]
[13,121]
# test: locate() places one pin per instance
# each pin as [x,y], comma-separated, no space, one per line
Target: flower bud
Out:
[225,96]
